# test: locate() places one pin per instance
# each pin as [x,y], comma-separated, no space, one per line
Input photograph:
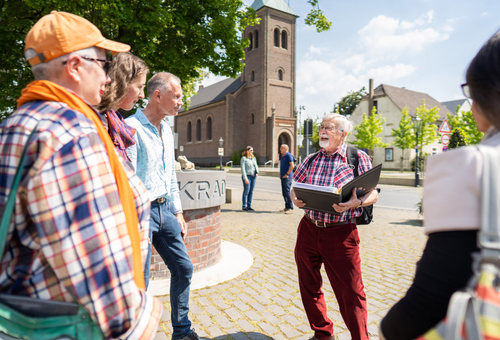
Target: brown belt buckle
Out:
[320,224]
[161,200]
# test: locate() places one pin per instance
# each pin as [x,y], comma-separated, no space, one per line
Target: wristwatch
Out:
[360,203]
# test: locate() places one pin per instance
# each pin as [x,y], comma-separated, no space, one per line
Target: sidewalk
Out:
[264,302]
[386,177]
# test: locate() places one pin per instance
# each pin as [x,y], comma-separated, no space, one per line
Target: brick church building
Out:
[256,108]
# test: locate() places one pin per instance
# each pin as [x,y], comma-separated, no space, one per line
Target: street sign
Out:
[445,139]
[221,151]
[445,127]
[445,148]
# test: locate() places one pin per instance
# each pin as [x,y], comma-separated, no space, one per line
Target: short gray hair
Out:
[47,71]
[161,82]
[342,122]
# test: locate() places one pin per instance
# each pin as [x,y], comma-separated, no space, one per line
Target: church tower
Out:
[269,74]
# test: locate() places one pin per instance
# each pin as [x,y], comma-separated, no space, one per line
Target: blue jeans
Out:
[286,183]
[167,239]
[248,191]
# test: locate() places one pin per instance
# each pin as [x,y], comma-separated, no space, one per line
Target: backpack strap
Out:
[353,159]
[311,159]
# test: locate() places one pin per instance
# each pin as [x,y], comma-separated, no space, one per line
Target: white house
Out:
[451,105]
[389,102]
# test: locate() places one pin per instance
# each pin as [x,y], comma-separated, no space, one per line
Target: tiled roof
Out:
[452,104]
[412,99]
[215,92]
[279,5]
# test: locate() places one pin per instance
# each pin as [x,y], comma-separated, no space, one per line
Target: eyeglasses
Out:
[466,90]
[104,64]
[328,128]
[250,150]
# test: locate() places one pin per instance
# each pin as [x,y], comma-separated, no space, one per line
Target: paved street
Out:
[391,195]
[264,302]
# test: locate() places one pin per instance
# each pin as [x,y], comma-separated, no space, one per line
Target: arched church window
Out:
[250,36]
[252,76]
[209,128]
[253,118]
[256,37]
[280,74]
[189,133]
[284,40]
[198,130]
[276,37]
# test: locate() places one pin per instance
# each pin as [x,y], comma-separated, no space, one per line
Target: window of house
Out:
[256,37]
[375,105]
[276,37]
[388,129]
[252,76]
[250,36]
[280,74]
[198,130]
[209,128]
[389,154]
[189,133]
[253,118]
[284,40]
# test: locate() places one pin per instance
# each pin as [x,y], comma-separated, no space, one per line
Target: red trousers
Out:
[338,248]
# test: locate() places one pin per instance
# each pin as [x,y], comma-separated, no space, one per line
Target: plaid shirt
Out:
[332,171]
[67,240]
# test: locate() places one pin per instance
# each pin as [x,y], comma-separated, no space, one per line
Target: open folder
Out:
[319,198]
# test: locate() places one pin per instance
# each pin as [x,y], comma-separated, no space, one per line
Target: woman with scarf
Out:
[128,79]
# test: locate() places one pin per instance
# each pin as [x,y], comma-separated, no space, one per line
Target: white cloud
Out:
[388,73]
[448,28]
[388,36]
[315,50]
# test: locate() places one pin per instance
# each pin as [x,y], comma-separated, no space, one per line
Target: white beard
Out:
[324,143]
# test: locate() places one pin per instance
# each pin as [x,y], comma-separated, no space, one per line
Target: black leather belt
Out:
[321,224]
[160,200]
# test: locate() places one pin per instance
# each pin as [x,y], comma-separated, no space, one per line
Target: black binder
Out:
[322,201]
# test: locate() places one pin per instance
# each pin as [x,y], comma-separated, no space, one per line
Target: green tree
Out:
[315,135]
[457,139]
[404,136]
[466,122]
[182,37]
[317,18]
[368,130]
[427,133]
[349,102]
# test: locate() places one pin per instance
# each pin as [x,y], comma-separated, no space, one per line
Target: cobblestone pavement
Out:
[264,302]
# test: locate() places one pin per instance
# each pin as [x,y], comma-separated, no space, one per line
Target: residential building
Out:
[389,102]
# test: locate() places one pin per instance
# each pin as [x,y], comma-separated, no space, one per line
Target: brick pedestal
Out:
[203,241]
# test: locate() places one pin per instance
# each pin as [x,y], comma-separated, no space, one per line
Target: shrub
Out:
[236,158]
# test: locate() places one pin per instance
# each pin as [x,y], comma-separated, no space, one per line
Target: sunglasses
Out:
[104,64]
[466,90]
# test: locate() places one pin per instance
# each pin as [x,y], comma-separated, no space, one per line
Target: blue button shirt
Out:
[153,159]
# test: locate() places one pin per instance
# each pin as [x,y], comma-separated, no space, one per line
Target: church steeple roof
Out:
[279,5]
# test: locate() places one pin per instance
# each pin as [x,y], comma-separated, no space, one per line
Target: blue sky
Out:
[423,45]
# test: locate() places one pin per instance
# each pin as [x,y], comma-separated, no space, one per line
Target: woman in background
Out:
[249,173]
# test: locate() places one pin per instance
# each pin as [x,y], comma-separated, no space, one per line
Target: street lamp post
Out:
[417,122]
[221,142]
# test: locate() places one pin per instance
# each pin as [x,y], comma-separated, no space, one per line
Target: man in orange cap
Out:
[81,225]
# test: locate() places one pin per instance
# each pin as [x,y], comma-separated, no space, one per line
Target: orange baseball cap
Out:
[60,33]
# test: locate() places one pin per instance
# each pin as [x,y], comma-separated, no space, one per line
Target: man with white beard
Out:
[330,239]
